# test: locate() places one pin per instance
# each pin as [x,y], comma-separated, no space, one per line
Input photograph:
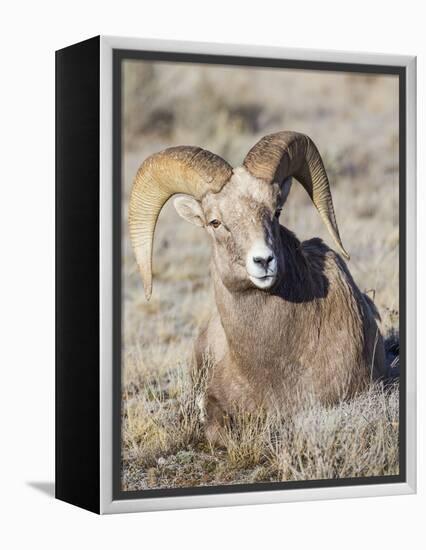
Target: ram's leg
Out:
[209,364]
[211,412]
[214,423]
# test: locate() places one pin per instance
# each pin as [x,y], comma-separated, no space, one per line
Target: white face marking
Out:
[261,265]
[248,183]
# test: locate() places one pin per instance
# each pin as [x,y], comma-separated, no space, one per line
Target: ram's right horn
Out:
[189,170]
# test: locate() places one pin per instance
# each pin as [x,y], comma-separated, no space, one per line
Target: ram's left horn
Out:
[278,156]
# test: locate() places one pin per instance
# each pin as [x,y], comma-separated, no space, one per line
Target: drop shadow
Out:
[46,487]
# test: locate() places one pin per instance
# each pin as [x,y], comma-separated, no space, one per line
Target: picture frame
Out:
[89,173]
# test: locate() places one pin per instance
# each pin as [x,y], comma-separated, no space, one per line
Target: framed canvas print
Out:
[235,275]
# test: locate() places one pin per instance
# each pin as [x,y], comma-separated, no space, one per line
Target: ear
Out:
[190,210]
[285,189]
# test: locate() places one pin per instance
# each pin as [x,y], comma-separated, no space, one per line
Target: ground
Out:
[353,120]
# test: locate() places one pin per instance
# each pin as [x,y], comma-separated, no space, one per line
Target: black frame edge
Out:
[77,421]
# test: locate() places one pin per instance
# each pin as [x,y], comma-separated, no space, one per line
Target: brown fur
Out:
[313,336]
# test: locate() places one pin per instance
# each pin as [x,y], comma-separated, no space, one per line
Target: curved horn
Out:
[189,170]
[277,156]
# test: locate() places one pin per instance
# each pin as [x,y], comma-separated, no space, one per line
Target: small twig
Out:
[373,290]
[374,354]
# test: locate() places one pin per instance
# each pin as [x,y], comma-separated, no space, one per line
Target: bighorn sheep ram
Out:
[289,320]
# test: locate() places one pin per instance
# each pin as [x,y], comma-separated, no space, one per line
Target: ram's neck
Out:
[255,321]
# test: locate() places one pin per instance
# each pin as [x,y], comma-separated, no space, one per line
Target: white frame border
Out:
[107,503]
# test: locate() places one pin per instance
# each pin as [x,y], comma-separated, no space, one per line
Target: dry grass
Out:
[164,446]
[354,121]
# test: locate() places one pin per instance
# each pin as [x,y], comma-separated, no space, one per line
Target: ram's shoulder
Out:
[320,255]
[325,262]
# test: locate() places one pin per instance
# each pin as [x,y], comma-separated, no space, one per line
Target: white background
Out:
[30,32]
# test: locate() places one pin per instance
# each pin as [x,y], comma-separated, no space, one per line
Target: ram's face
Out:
[243,223]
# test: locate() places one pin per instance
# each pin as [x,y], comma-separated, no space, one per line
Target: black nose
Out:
[264,262]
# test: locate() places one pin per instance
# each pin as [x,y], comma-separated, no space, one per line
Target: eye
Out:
[215,223]
[278,212]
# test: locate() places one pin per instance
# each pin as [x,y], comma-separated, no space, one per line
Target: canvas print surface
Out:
[263,353]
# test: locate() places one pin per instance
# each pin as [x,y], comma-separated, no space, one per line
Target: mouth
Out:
[263,282]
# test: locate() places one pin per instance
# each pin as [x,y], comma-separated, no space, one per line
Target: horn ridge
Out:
[278,156]
[184,169]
